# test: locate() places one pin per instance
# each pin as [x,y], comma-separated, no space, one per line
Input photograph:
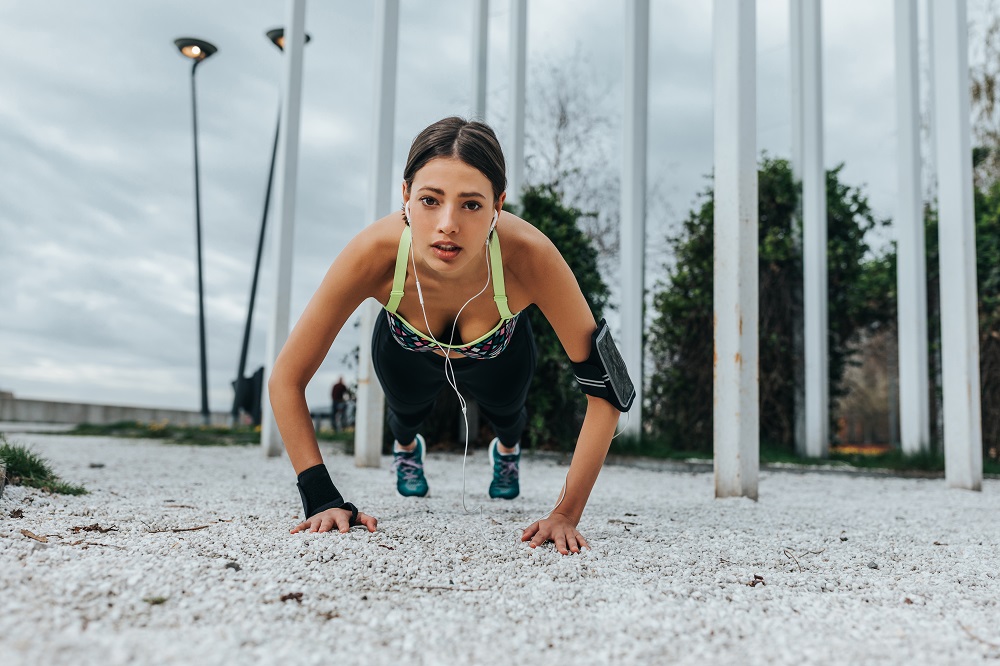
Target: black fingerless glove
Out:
[319,494]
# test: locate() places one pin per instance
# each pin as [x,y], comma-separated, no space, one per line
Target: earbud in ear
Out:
[493,225]
[406,209]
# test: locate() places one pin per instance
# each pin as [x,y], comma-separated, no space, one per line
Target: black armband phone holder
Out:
[319,494]
[604,374]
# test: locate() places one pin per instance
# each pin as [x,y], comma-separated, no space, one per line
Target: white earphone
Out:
[493,225]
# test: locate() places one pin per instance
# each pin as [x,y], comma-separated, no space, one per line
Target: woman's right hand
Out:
[325,521]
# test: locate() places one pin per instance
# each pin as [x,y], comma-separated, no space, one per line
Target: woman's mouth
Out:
[445,251]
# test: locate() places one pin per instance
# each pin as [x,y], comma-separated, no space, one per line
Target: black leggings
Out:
[411,381]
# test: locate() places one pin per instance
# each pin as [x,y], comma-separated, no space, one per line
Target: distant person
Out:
[338,393]
[428,267]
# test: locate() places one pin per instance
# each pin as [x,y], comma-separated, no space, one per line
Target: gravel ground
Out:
[823,569]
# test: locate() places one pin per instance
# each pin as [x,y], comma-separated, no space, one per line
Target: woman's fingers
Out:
[342,522]
[541,536]
[565,537]
[335,518]
[371,522]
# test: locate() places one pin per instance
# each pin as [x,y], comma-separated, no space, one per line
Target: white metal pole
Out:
[795,32]
[814,236]
[931,95]
[518,76]
[736,418]
[480,44]
[369,420]
[963,440]
[930,195]
[286,170]
[633,198]
[911,258]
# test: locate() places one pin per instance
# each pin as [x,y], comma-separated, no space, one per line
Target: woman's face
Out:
[450,211]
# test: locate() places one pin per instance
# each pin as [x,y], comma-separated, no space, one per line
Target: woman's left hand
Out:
[558,529]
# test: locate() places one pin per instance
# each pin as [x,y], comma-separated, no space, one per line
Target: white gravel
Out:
[851,570]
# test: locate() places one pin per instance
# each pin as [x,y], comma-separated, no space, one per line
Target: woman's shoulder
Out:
[524,246]
[371,255]
[382,234]
[377,242]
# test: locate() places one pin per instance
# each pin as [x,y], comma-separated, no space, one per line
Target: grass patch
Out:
[896,460]
[26,468]
[647,447]
[179,434]
[244,435]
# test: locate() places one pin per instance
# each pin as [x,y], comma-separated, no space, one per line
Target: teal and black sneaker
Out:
[410,481]
[505,473]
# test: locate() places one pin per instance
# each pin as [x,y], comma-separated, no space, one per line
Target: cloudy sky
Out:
[98,299]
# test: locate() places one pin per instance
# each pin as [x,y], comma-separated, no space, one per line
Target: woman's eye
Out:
[473,205]
[428,201]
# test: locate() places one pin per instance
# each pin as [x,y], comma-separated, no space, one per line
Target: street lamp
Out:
[198,50]
[242,386]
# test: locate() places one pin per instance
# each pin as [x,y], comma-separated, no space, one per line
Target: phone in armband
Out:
[614,364]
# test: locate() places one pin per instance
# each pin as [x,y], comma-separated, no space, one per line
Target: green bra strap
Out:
[399,277]
[496,266]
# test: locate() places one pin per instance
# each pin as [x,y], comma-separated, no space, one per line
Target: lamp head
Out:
[277,36]
[196,49]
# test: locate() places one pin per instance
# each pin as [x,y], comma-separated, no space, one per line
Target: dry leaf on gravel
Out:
[17,513]
[32,535]
[292,596]
[94,528]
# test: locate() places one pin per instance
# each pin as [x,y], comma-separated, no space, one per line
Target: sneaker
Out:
[505,473]
[410,481]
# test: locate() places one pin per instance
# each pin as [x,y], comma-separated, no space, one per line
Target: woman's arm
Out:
[352,278]
[558,295]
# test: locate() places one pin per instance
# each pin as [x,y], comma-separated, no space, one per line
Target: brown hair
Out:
[472,142]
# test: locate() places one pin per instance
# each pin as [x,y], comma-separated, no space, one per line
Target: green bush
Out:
[555,405]
[861,296]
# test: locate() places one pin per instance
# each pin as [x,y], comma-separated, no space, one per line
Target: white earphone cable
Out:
[449,370]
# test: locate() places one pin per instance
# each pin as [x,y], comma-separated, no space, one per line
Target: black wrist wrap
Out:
[318,492]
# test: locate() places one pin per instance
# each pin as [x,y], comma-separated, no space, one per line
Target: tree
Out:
[861,297]
[556,406]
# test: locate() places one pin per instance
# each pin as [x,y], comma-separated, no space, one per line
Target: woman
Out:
[434,271]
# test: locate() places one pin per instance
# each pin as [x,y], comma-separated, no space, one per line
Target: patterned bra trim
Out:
[486,346]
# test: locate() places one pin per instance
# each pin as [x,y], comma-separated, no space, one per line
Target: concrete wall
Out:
[44,411]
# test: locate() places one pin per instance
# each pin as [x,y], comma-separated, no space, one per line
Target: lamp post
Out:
[277,37]
[198,50]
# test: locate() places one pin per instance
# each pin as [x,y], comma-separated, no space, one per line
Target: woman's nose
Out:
[448,220]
